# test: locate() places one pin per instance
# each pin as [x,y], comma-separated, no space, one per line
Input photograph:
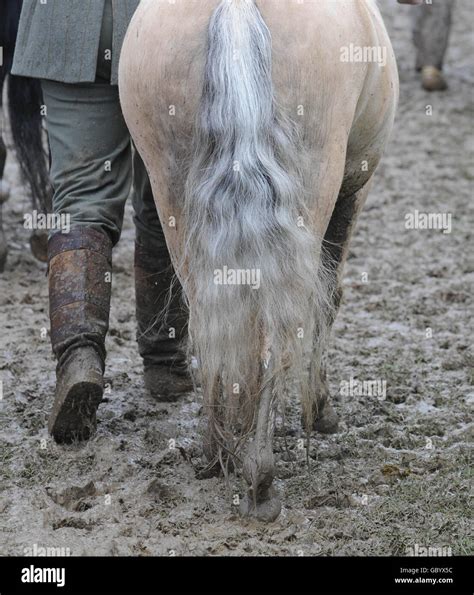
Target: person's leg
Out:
[161,316]
[431,29]
[90,155]
[91,173]
[91,177]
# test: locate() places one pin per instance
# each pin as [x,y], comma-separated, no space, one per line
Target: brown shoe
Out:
[79,297]
[161,325]
[432,79]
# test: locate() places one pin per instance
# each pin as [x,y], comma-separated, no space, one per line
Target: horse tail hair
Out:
[24,108]
[251,269]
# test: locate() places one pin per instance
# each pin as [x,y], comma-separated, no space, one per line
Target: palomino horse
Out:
[261,123]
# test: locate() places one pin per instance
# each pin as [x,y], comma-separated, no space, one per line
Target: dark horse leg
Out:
[24,108]
[4,189]
[24,102]
[261,500]
[336,247]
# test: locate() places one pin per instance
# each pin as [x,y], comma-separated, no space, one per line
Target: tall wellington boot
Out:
[161,325]
[80,265]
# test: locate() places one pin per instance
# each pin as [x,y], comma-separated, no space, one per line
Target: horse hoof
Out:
[3,260]
[3,250]
[328,421]
[39,245]
[266,511]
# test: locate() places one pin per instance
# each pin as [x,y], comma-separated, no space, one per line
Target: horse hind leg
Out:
[261,501]
[4,194]
[336,248]
[325,418]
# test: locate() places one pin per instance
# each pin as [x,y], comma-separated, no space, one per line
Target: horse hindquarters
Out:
[244,197]
[246,266]
[243,201]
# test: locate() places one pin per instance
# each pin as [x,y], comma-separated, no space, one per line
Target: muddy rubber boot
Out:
[80,265]
[161,325]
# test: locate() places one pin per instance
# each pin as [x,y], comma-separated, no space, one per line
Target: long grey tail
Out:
[246,216]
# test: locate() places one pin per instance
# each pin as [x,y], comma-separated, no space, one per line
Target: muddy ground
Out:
[394,476]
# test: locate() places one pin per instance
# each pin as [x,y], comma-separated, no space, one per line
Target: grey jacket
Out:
[59,39]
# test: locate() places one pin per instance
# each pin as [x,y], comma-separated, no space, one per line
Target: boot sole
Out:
[73,418]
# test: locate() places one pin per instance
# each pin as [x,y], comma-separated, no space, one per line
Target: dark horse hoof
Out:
[3,251]
[266,509]
[3,257]
[327,422]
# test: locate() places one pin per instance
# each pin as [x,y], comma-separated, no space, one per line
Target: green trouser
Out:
[432,23]
[92,163]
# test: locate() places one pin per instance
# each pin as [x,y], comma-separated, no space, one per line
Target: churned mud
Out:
[395,477]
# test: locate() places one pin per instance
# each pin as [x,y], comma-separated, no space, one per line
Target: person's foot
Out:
[432,79]
[79,391]
[165,383]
